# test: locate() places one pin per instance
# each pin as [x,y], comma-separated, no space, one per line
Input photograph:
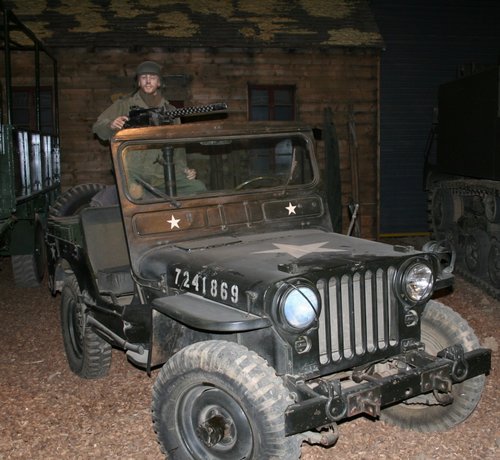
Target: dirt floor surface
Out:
[46,412]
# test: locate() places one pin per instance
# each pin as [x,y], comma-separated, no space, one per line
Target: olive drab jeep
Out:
[268,327]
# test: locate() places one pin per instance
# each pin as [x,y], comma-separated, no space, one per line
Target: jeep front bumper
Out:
[329,402]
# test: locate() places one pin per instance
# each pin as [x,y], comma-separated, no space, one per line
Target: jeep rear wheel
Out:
[89,356]
[441,327]
[218,400]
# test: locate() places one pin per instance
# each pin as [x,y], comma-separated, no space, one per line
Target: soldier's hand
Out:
[190,173]
[118,123]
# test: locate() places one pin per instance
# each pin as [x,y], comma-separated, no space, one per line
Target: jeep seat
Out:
[106,249]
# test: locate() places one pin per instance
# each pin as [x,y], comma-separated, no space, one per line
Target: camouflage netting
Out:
[194,23]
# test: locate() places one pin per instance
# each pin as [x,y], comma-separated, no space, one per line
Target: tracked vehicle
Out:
[464,187]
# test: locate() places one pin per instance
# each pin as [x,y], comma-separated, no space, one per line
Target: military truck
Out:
[464,186]
[264,327]
[29,148]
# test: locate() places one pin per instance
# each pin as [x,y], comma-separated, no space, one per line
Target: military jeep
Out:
[269,327]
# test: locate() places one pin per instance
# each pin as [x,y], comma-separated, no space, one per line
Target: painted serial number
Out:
[206,286]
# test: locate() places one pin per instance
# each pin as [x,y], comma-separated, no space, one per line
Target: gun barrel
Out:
[197,109]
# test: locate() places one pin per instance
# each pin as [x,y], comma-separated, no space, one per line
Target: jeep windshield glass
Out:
[214,166]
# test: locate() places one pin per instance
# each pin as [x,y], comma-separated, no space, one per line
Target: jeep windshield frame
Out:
[162,170]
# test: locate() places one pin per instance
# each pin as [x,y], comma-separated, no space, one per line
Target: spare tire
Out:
[73,200]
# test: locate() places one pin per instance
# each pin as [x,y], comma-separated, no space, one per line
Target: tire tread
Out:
[467,394]
[250,373]
[24,271]
[96,356]
[74,199]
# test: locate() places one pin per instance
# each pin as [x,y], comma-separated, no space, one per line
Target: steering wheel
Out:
[273,179]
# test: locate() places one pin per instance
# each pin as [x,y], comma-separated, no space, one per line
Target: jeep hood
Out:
[252,260]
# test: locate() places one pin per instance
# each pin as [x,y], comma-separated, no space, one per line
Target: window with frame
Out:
[225,165]
[24,109]
[271,102]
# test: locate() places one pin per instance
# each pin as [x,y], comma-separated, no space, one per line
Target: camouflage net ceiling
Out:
[240,23]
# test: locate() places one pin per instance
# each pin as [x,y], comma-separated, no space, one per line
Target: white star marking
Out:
[290,208]
[173,222]
[299,251]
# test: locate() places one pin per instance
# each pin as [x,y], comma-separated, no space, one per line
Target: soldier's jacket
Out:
[148,163]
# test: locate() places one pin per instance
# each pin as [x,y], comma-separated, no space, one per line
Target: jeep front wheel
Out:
[441,327]
[218,400]
[89,356]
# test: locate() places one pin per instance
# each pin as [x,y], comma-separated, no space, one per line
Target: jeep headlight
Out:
[418,281]
[299,306]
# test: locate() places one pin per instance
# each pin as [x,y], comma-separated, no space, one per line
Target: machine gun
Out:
[164,116]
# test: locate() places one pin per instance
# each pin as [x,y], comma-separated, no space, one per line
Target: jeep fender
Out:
[186,318]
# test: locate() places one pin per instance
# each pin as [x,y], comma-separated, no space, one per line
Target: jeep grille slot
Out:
[359,315]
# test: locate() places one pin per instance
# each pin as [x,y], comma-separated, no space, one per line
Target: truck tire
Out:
[89,356]
[29,269]
[441,327]
[73,200]
[218,400]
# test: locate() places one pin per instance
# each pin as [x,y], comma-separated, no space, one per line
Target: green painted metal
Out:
[27,185]
[7,191]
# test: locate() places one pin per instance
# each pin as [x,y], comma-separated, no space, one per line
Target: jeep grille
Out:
[359,316]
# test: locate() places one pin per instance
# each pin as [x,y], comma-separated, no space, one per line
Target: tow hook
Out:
[460,367]
[327,436]
[442,389]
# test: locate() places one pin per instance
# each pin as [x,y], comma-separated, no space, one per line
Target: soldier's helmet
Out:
[149,67]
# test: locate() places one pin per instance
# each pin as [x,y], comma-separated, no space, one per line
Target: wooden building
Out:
[270,59]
